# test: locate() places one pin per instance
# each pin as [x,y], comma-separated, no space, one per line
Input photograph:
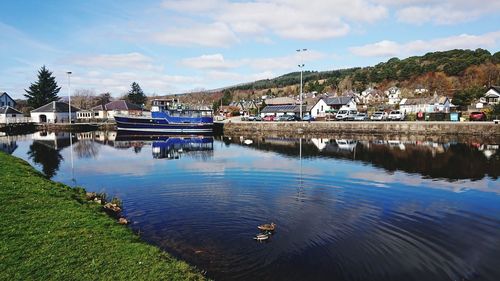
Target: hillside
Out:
[465,73]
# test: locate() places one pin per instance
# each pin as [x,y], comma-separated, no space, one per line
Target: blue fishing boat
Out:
[168,116]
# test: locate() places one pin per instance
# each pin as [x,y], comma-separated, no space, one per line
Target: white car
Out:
[346,114]
[396,115]
[379,116]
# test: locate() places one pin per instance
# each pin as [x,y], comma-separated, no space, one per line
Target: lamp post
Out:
[69,95]
[301,66]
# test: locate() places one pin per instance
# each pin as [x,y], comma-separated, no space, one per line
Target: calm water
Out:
[345,209]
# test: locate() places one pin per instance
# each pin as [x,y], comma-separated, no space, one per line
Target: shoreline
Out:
[51,231]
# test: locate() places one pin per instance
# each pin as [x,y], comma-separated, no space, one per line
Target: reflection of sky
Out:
[327,209]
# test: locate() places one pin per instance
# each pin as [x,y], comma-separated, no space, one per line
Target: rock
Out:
[98,201]
[91,195]
[122,221]
[112,207]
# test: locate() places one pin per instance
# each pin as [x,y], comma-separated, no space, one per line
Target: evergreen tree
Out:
[44,90]
[136,95]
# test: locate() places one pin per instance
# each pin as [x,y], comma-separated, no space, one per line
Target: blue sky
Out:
[176,46]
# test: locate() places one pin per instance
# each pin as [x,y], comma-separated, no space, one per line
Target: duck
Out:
[267,227]
[261,237]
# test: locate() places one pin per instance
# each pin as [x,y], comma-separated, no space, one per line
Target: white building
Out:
[53,112]
[394,95]
[428,105]
[109,110]
[319,109]
[492,96]
[9,114]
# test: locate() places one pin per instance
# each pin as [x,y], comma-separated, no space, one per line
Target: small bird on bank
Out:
[267,227]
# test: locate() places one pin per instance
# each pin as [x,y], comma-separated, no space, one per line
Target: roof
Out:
[9,110]
[97,108]
[280,101]
[495,88]
[338,100]
[122,105]
[432,100]
[55,106]
[283,108]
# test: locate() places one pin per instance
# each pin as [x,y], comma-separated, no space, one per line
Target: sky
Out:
[172,46]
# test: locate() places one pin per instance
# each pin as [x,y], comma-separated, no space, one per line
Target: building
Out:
[278,110]
[6,100]
[53,112]
[342,102]
[109,110]
[393,95]
[9,114]
[319,109]
[428,105]
[492,96]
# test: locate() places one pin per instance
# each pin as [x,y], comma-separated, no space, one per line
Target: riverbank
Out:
[410,127]
[49,231]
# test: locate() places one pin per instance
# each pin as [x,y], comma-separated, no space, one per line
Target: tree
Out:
[83,98]
[102,99]
[136,95]
[44,90]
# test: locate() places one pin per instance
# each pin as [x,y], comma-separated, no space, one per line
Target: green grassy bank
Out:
[49,231]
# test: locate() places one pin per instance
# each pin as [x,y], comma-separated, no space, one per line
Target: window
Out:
[321,108]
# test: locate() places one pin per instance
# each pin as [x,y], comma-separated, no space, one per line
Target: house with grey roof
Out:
[432,104]
[278,110]
[492,96]
[9,114]
[324,105]
[109,110]
[53,112]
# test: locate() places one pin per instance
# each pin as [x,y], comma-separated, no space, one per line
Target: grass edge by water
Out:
[50,231]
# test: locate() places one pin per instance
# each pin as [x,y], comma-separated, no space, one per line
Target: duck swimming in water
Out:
[267,227]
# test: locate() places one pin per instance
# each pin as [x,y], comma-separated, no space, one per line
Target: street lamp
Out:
[301,66]
[69,95]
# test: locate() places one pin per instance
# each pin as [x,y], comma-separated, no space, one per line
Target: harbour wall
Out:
[480,129]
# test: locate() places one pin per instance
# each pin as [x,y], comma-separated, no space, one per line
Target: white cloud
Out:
[464,41]
[215,61]
[129,61]
[210,35]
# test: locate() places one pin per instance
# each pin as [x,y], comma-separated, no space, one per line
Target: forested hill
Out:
[437,71]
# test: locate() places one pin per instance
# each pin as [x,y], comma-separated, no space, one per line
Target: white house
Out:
[109,110]
[343,102]
[6,100]
[492,96]
[319,109]
[9,114]
[53,112]
[419,89]
[434,104]
[394,95]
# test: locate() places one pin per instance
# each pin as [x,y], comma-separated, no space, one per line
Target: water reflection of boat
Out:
[173,147]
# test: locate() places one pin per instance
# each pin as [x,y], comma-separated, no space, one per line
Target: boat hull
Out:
[160,125]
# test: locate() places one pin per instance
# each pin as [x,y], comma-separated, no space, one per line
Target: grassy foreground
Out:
[48,231]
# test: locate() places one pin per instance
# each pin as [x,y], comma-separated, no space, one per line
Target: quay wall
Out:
[416,128]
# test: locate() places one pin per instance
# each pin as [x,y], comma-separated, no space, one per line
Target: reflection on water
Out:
[346,209]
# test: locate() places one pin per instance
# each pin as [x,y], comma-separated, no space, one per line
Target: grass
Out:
[48,231]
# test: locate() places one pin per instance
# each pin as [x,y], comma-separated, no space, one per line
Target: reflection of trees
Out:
[456,161]
[86,149]
[49,158]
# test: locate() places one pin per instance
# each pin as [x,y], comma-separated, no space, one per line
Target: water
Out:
[345,209]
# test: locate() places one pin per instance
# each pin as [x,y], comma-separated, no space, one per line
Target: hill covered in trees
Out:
[463,74]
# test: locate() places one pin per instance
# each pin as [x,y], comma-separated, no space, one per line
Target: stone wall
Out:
[421,128]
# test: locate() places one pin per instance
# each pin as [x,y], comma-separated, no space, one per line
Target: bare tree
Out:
[83,98]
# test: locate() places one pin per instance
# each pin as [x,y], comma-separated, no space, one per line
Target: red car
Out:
[268,118]
[477,116]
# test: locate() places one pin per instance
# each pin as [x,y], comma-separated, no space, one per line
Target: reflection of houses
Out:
[433,104]
[53,112]
[320,143]
[121,107]
[54,140]
[6,100]
[8,144]
[9,114]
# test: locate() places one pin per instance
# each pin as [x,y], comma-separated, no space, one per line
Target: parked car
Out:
[308,117]
[287,117]
[346,114]
[268,118]
[379,116]
[258,118]
[361,117]
[477,116]
[251,118]
[396,115]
